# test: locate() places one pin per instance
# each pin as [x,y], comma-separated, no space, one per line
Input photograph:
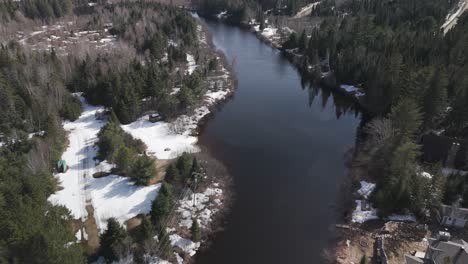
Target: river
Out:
[283,144]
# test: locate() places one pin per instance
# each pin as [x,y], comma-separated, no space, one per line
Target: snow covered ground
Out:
[360,216]
[366,189]
[167,140]
[115,196]
[306,10]
[452,18]
[191,64]
[110,196]
[203,208]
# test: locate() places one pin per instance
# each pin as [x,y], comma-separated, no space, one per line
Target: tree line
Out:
[414,78]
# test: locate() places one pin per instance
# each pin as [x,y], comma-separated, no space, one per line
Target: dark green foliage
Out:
[363,260]
[184,165]
[172,174]
[112,140]
[455,186]
[142,169]
[395,189]
[111,239]
[145,230]
[71,109]
[162,204]
[195,230]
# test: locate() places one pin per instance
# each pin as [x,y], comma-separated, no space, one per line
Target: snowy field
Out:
[167,140]
[79,188]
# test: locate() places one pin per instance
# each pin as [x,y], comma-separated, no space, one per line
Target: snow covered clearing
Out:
[168,140]
[79,188]
[366,189]
[452,18]
[116,196]
[425,174]
[160,139]
[306,10]
[191,64]
[79,157]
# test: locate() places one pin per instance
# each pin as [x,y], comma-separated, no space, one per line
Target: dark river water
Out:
[283,144]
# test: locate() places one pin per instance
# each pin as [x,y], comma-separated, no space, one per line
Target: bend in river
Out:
[283,145]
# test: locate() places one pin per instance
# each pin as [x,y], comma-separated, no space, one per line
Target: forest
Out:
[36,95]
[414,78]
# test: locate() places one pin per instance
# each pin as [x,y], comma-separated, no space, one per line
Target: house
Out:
[452,216]
[156,117]
[441,251]
[62,166]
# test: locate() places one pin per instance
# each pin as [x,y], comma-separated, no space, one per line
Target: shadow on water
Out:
[282,140]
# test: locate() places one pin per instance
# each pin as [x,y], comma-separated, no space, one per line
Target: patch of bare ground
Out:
[161,166]
[90,227]
[355,241]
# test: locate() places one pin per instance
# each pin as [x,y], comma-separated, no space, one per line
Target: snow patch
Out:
[186,245]
[366,189]
[306,10]
[191,64]
[361,216]
[116,196]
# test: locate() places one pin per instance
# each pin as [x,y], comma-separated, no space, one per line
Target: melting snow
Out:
[360,216]
[306,10]
[366,189]
[116,196]
[186,245]
[191,64]
[79,188]
[198,205]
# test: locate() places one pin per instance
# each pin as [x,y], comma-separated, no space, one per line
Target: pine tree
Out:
[195,230]
[435,99]
[145,230]
[406,119]
[162,204]
[184,165]
[110,239]
[123,160]
[142,169]
[172,174]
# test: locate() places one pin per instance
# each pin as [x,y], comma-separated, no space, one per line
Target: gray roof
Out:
[441,251]
[454,212]
[413,260]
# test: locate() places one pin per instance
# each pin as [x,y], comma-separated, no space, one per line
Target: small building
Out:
[62,166]
[452,216]
[156,117]
[441,251]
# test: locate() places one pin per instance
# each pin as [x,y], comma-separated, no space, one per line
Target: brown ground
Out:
[90,226]
[161,166]
[400,239]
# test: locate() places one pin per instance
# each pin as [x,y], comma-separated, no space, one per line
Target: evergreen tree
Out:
[162,204]
[406,119]
[123,160]
[184,165]
[195,230]
[143,169]
[110,239]
[172,174]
